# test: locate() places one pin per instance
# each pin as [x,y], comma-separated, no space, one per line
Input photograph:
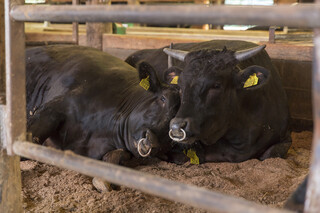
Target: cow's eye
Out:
[163,99]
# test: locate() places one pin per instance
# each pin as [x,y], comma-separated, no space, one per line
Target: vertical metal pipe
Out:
[312,203]
[13,121]
[15,78]
[75,26]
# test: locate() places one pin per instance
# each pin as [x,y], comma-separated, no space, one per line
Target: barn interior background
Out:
[290,48]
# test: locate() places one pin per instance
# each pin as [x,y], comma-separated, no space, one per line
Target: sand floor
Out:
[48,188]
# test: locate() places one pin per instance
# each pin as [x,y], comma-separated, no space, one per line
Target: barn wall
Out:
[285,1]
[297,81]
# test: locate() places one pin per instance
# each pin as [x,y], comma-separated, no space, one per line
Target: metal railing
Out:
[15,143]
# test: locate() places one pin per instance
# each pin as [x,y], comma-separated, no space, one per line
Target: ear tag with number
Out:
[175,80]
[251,81]
[144,83]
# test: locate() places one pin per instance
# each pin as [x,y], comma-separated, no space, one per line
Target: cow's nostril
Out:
[175,127]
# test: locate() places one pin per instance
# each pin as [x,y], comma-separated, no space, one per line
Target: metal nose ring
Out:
[139,148]
[177,138]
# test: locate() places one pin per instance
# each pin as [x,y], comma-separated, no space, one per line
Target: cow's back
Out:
[53,71]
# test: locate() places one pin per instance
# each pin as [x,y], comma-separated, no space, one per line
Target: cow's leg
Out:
[117,156]
[223,151]
[45,121]
[277,150]
[220,152]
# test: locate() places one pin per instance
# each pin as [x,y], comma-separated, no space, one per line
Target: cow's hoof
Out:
[104,186]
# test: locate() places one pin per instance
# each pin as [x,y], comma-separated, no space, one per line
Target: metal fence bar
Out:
[14,122]
[303,15]
[312,203]
[15,78]
[307,15]
[188,194]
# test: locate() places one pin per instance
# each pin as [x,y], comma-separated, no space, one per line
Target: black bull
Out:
[234,121]
[87,101]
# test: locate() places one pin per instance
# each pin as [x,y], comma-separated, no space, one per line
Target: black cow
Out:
[90,102]
[234,119]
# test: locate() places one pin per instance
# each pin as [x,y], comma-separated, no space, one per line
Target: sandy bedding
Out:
[47,188]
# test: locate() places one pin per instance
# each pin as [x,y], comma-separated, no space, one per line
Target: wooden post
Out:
[10,174]
[75,26]
[10,182]
[272,34]
[95,31]
[2,55]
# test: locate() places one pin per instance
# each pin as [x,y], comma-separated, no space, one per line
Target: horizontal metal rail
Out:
[304,15]
[184,193]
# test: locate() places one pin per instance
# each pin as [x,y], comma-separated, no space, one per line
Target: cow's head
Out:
[210,84]
[158,104]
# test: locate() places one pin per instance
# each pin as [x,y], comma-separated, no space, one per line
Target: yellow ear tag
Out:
[251,81]
[192,155]
[175,80]
[144,83]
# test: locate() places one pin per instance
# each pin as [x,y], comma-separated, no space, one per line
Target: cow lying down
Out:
[89,102]
[233,106]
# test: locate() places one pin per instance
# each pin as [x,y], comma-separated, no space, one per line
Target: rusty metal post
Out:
[95,31]
[75,26]
[12,116]
[312,203]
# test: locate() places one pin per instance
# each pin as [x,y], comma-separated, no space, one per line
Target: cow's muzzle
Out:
[177,129]
[181,130]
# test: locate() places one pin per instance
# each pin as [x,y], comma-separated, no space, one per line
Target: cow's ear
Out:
[171,75]
[252,77]
[148,77]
